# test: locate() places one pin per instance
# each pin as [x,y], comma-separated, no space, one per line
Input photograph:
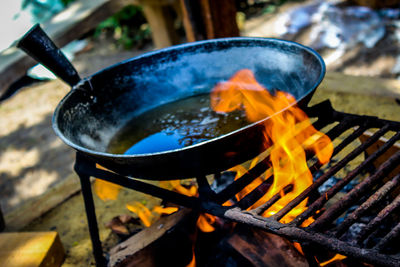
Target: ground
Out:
[33,159]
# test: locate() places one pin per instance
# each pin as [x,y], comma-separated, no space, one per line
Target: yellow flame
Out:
[105,190]
[192,263]
[147,216]
[205,221]
[288,132]
[142,211]
[165,210]
[337,257]
[298,247]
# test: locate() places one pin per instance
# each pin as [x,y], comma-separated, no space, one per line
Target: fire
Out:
[147,216]
[288,133]
[109,191]
[176,186]
[144,214]
[106,190]
[298,247]
[205,221]
[337,257]
[192,263]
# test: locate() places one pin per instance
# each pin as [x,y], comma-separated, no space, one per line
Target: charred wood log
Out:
[263,249]
[166,242]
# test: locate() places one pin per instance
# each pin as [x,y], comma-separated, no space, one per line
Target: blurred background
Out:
[355,38]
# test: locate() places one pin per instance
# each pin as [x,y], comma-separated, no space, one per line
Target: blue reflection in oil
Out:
[161,141]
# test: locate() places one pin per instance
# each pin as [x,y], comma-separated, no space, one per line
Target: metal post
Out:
[90,213]
[2,223]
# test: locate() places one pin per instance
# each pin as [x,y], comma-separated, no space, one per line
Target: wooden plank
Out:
[31,249]
[32,209]
[378,3]
[342,83]
[161,23]
[385,156]
[68,25]
[207,19]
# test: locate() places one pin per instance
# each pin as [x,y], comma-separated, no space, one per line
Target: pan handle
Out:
[37,44]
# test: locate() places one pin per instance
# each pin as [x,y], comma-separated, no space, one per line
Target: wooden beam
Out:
[31,249]
[220,16]
[68,25]
[192,20]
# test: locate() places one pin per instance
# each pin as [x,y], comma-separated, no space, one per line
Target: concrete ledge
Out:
[32,209]
[363,85]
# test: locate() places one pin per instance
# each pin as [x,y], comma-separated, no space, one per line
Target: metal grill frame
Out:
[318,232]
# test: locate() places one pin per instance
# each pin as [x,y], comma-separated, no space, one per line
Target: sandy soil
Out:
[32,158]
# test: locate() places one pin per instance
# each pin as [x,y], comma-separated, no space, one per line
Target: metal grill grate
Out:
[374,197]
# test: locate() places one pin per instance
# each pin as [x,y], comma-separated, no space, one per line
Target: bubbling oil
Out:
[175,125]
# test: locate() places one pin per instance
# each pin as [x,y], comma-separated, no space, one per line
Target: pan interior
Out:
[88,120]
[175,125]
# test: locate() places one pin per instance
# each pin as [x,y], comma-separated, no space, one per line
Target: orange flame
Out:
[142,211]
[337,257]
[288,132]
[192,263]
[205,221]
[165,210]
[298,247]
[147,216]
[106,190]
[177,187]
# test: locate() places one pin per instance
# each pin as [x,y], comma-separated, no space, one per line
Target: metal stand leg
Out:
[2,223]
[90,213]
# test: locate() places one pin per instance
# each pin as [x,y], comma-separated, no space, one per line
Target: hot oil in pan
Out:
[174,125]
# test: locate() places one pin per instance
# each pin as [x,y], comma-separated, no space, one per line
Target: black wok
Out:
[98,106]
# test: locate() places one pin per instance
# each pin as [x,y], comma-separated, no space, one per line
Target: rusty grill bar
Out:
[368,195]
